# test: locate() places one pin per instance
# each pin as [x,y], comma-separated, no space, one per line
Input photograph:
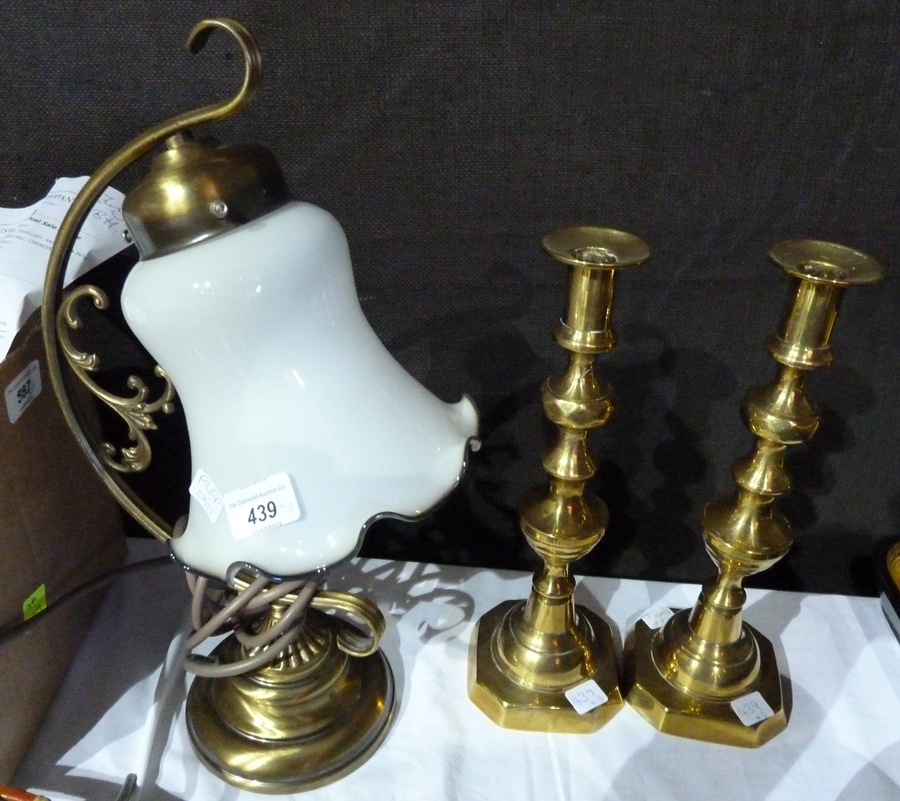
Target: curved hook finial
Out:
[81,206]
[197,40]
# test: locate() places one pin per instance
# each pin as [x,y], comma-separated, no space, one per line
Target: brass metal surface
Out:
[137,411]
[310,717]
[526,655]
[519,678]
[892,560]
[888,576]
[668,708]
[196,190]
[685,675]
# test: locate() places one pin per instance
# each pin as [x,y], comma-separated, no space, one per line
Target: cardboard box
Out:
[59,527]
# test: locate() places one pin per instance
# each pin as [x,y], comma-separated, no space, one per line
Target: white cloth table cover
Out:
[121,708]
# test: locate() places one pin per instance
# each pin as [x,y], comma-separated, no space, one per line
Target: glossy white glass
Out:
[279,372]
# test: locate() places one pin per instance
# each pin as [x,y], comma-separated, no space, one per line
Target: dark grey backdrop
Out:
[448,137]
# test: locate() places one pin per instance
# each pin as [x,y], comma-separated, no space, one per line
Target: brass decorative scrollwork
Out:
[136,410]
[349,639]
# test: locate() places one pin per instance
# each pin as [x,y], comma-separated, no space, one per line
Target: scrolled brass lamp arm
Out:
[74,219]
[350,640]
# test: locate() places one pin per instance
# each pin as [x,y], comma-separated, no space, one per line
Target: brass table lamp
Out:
[704,673]
[546,664]
[303,430]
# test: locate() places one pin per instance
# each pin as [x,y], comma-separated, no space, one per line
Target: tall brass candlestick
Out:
[546,664]
[705,674]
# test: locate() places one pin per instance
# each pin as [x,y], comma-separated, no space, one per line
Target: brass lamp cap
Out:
[199,189]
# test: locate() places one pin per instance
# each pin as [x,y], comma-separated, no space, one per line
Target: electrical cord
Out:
[128,787]
[213,611]
[17,630]
[208,614]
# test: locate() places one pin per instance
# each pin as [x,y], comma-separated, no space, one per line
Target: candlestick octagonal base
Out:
[535,699]
[676,710]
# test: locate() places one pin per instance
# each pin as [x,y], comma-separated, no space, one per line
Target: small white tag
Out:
[23,390]
[657,618]
[204,490]
[586,696]
[266,504]
[752,709]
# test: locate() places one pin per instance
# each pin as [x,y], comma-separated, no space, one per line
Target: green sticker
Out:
[35,603]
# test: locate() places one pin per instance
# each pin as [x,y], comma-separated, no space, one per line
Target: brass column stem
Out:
[692,675]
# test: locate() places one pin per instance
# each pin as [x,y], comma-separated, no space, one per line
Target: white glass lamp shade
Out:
[303,428]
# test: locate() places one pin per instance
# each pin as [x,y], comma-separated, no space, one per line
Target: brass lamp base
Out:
[539,702]
[676,710]
[311,717]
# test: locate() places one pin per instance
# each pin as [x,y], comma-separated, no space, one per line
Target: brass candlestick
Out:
[546,664]
[705,674]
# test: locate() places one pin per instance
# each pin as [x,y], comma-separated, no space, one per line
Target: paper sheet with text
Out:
[26,236]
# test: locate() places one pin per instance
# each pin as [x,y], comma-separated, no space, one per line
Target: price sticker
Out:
[23,391]
[261,506]
[35,603]
[208,496]
[658,617]
[752,709]
[586,696]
